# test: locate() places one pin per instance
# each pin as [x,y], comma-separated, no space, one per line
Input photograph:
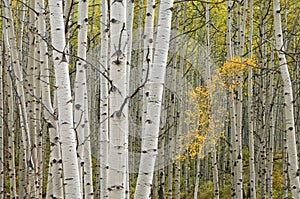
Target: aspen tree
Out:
[81,120]
[104,115]
[129,28]
[68,12]
[147,56]
[65,108]
[30,79]
[15,72]
[118,124]
[177,141]
[154,101]
[39,133]
[171,126]
[54,181]
[209,82]
[148,52]
[198,175]
[87,154]
[262,107]
[271,133]
[23,10]
[172,106]
[32,97]
[8,89]
[231,100]
[285,167]
[252,173]
[241,23]
[182,94]
[288,103]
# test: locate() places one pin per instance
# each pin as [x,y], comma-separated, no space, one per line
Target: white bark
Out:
[288,103]
[252,173]
[129,28]
[148,53]
[228,29]
[16,72]
[239,108]
[55,181]
[81,120]
[55,174]
[31,96]
[198,175]
[182,92]
[271,133]
[118,129]
[154,102]
[147,56]
[212,109]
[65,109]
[104,101]
[8,89]
[87,154]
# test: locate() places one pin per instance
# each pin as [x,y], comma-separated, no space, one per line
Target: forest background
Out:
[149,99]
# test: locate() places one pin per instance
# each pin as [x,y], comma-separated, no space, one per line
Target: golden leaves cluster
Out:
[233,69]
[197,118]
[202,118]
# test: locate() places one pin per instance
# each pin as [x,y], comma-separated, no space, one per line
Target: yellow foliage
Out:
[233,69]
[202,118]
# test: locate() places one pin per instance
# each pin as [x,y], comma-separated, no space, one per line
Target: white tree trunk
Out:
[147,56]
[198,175]
[16,71]
[154,102]
[87,154]
[129,28]
[8,89]
[288,103]
[118,129]
[65,108]
[55,174]
[252,173]
[81,120]
[104,116]
[271,133]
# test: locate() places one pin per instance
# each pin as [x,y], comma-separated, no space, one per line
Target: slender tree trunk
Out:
[129,28]
[31,96]
[154,102]
[288,103]
[16,72]
[104,115]
[252,173]
[82,49]
[177,163]
[118,129]
[87,154]
[10,122]
[65,108]
[81,121]
[198,175]
[148,54]
[55,181]
[271,133]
